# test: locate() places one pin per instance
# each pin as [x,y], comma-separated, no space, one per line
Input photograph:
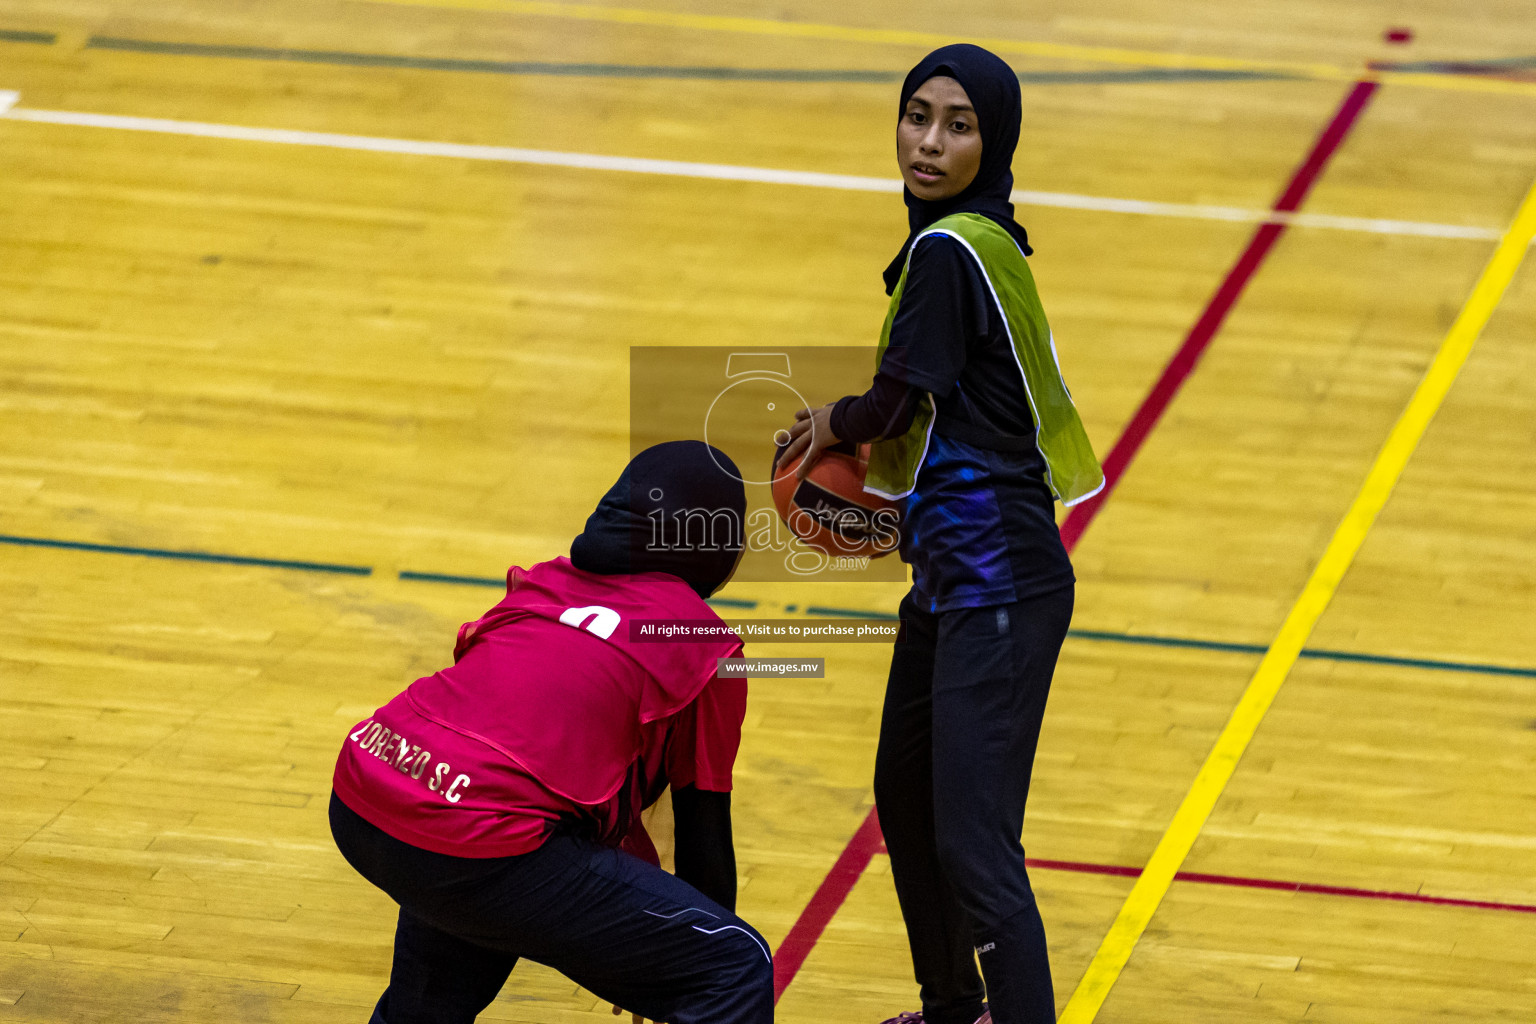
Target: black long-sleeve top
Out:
[885,410]
[979,529]
[949,339]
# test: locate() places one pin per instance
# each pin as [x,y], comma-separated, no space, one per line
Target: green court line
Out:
[1167,641]
[1429,663]
[439,577]
[346,58]
[502,67]
[1316,653]
[495,67]
[13,36]
[186,556]
[745,604]
[1139,639]
[1492,66]
[1136,75]
[731,602]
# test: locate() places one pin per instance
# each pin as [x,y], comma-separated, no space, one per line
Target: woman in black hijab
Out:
[679,507]
[966,370]
[499,800]
[993,91]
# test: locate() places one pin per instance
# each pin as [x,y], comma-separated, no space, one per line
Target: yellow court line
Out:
[1219,765]
[902,37]
[1454,83]
[851,34]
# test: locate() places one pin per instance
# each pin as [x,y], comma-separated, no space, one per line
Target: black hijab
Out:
[677,508]
[994,91]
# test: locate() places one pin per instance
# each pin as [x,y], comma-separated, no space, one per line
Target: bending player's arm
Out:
[701,755]
[704,850]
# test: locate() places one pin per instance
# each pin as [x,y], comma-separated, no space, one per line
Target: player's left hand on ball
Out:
[811,434]
[634,1018]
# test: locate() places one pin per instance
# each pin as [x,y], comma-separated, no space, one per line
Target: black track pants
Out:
[962,717]
[619,927]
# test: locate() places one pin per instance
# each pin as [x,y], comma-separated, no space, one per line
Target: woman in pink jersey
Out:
[498,800]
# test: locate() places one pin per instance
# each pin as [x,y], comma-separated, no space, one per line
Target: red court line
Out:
[1199,338]
[834,889]
[1345,890]
[867,842]
[1279,886]
[1083,868]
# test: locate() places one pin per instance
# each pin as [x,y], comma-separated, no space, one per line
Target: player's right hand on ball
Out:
[811,434]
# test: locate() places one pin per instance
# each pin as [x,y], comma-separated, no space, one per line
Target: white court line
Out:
[720,172]
[1239,214]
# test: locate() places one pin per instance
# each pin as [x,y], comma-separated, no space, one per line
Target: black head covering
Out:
[994,91]
[677,508]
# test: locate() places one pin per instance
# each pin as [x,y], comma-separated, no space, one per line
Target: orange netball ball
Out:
[830,510]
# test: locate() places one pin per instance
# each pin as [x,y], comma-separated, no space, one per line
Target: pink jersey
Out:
[552,711]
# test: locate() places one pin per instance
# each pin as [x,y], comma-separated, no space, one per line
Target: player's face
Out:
[938,143]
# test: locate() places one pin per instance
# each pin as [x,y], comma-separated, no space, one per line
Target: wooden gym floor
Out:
[258,390]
